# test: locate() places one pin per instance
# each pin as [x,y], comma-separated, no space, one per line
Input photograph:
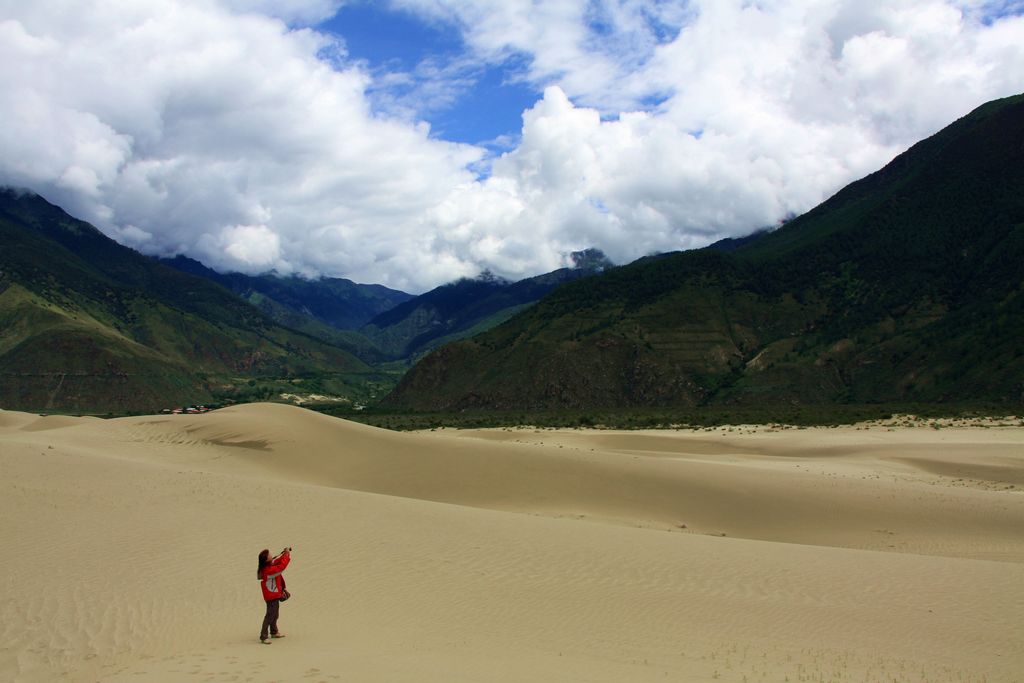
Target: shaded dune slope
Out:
[848,492]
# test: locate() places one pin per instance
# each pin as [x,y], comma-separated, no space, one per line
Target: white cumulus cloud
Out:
[229,131]
[650,139]
[183,127]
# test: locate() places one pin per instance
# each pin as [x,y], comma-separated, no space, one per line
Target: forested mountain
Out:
[463,308]
[89,325]
[330,309]
[379,324]
[907,285]
[337,302]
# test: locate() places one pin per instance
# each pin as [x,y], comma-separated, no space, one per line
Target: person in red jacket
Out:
[272,583]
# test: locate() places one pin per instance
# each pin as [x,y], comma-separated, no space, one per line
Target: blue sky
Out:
[489,103]
[412,142]
[994,10]
[489,96]
[486,96]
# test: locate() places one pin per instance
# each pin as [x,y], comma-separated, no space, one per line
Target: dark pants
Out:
[270,620]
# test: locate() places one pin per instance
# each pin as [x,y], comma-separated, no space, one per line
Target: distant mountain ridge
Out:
[468,306]
[89,325]
[905,286]
[337,302]
[380,324]
[330,309]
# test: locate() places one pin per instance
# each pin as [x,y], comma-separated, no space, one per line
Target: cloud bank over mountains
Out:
[236,133]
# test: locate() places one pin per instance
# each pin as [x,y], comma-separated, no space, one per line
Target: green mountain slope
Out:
[904,286]
[89,325]
[335,302]
[466,307]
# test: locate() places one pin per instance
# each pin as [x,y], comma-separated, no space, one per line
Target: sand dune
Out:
[508,555]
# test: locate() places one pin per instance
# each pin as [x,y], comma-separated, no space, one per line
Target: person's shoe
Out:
[277,635]
[266,641]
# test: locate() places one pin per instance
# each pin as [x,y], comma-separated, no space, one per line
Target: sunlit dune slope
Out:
[878,490]
[462,556]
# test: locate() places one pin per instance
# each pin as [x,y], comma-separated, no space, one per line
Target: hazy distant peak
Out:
[17,192]
[590,259]
[489,277]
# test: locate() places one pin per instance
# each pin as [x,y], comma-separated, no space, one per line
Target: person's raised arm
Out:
[278,564]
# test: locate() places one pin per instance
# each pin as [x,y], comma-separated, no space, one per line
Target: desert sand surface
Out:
[886,553]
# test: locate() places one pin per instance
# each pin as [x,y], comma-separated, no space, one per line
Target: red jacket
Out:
[271,579]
